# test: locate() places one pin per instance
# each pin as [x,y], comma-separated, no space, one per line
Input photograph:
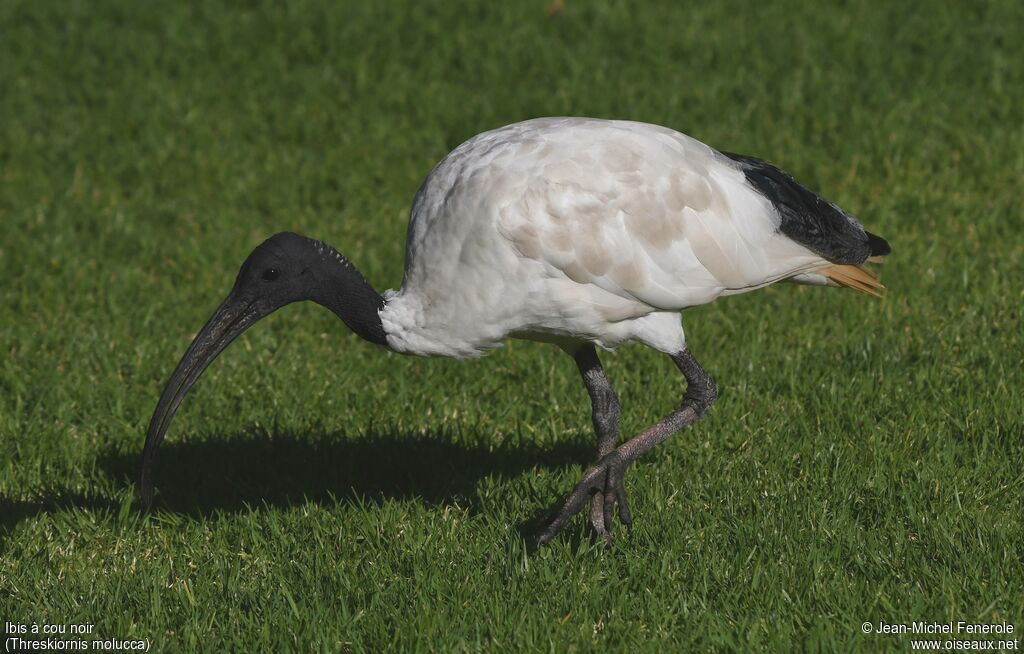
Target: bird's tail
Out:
[857,277]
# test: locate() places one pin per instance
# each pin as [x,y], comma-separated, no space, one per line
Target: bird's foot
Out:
[604,484]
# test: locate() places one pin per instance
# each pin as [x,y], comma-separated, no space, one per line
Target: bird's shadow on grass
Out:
[232,472]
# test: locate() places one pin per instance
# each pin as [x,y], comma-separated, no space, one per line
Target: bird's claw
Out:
[603,485]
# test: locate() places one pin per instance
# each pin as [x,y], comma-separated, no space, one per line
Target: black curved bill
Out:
[233,317]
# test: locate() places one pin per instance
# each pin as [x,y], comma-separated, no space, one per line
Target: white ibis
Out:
[572,231]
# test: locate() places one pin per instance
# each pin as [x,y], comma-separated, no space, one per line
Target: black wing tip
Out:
[808,218]
[745,159]
[879,246]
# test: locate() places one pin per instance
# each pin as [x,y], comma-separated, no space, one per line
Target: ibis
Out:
[578,232]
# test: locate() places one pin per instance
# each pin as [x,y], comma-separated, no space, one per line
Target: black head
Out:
[283,269]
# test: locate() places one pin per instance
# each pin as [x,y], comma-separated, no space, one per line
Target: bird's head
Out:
[283,269]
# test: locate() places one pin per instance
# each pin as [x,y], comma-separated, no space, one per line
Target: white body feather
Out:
[571,229]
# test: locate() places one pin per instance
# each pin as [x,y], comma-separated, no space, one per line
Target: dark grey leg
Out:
[606,477]
[605,413]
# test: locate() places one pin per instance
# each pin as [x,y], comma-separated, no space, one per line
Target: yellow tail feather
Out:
[856,277]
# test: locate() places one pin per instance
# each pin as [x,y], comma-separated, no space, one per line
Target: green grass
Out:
[863,462]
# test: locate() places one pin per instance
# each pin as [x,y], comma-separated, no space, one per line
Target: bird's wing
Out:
[647,214]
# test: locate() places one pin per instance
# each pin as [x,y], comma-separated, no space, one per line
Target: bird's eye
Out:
[270,274]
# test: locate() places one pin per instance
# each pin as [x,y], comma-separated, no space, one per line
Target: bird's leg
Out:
[606,477]
[605,413]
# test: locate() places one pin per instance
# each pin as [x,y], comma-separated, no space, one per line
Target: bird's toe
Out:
[604,486]
[598,527]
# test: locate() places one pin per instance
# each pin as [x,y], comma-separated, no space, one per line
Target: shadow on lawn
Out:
[227,473]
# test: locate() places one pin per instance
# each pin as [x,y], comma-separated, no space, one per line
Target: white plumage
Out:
[575,229]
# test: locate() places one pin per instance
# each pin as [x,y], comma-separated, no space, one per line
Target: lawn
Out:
[863,462]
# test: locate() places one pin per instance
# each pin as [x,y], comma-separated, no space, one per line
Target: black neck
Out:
[342,288]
